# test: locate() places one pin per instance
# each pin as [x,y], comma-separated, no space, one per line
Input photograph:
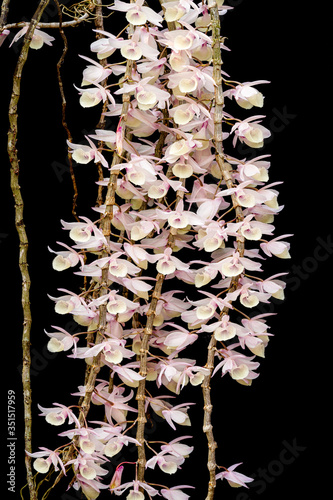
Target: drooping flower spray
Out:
[171,253]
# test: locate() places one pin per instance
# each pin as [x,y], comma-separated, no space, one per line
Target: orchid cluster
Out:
[171,191]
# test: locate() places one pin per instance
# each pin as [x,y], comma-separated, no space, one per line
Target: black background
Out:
[287,406]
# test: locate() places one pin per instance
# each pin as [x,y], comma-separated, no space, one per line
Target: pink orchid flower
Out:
[93,96]
[239,366]
[167,463]
[42,465]
[57,416]
[65,259]
[246,96]
[277,247]
[235,479]
[94,73]
[177,414]
[176,448]
[179,218]
[175,492]
[251,132]
[113,351]
[38,38]
[115,403]
[116,478]
[61,340]
[140,44]
[137,13]
[85,234]
[91,488]
[134,493]
[167,263]
[175,10]
[83,154]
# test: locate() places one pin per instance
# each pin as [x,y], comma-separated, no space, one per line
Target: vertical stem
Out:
[23,239]
[105,226]
[4,13]
[99,25]
[140,396]
[63,108]
[207,423]
[219,156]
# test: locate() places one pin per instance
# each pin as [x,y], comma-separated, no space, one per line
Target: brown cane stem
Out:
[23,239]
[4,14]
[105,226]
[63,108]
[219,155]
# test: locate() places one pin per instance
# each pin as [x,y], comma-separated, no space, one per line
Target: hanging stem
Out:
[110,201]
[99,25]
[4,14]
[63,108]
[226,176]
[140,396]
[23,239]
[105,225]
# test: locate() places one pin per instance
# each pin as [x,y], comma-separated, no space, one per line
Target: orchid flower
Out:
[167,463]
[65,259]
[179,218]
[87,466]
[167,263]
[61,340]
[94,73]
[137,13]
[116,478]
[141,43]
[43,464]
[176,493]
[134,493]
[38,38]
[147,95]
[246,96]
[250,132]
[177,414]
[105,47]
[93,96]
[57,416]
[85,234]
[175,10]
[235,479]
[277,247]
[113,351]
[239,366]
[90,487]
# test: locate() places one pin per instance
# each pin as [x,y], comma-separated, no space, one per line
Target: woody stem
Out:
[21,231]
[226,176]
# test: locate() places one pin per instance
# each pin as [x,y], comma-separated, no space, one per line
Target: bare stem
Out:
[23,239]
[4,14]
[65,24]
[99,25]
[226,175]
[63,107]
